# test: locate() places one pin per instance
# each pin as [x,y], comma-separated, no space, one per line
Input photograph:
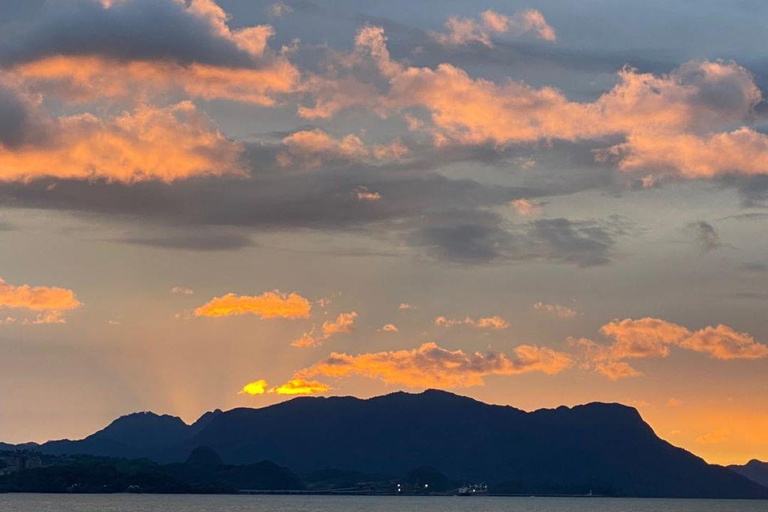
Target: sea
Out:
[262,503]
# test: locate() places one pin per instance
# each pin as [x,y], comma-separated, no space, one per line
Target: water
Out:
[167,503]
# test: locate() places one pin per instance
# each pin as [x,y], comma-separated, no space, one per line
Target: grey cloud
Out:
[705,235]
[139,29]
[477,237]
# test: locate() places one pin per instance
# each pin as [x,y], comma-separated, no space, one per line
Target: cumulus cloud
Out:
[88,49]
[491,322]
[37,298]
[342,324]
[526,207]
[273,304]
[433,366]
[312,148]
[389,328]
[363,193]
[653,338]
[49,302]
[555,309]
[679,124]
[292,387]
[462,31]
[150,143]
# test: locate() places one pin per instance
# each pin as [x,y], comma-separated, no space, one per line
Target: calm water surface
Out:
[155,503]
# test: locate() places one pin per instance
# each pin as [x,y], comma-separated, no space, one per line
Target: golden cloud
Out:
[150,143]
[292,387]
[37,298]
[433,366]
[273,304]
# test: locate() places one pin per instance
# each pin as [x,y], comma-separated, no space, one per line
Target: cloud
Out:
[292,387]
[679,124]
[462,31]
[88,50]
[404,306]
[280,9]
[257,387]
[182,290]
[300,387]
[389,328]
[47,318]
[164,144]
[652,338]
[433,366]
[343,324]
[364,194]
[722,342]
[307,339]
[273,304]
[37,298]
[473,237]
[312,148]
[706,235]
[555,309]
[526,207]
[715,437]
[491,322]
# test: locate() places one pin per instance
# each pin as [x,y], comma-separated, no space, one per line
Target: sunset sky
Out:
[216,204]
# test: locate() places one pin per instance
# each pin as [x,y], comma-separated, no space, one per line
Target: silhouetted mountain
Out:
[754,470]
[202,473]
[607,448]
[429,479]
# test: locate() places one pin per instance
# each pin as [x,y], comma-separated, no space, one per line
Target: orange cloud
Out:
[342,325]
[300,387]
[526,207]
[461,31]
[389,328]
[37,298]
[267,305]
[722,342]
[150,143]
[651,337]
[311,148]
[364,194]
[492,322]
[672,124]
[433,366]
[79,78]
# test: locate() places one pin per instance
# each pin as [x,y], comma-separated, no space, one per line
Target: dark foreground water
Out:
[157,503]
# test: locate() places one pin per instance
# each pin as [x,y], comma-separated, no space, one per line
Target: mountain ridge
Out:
[605,447]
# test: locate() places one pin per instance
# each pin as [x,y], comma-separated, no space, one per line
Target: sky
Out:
[217,204]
